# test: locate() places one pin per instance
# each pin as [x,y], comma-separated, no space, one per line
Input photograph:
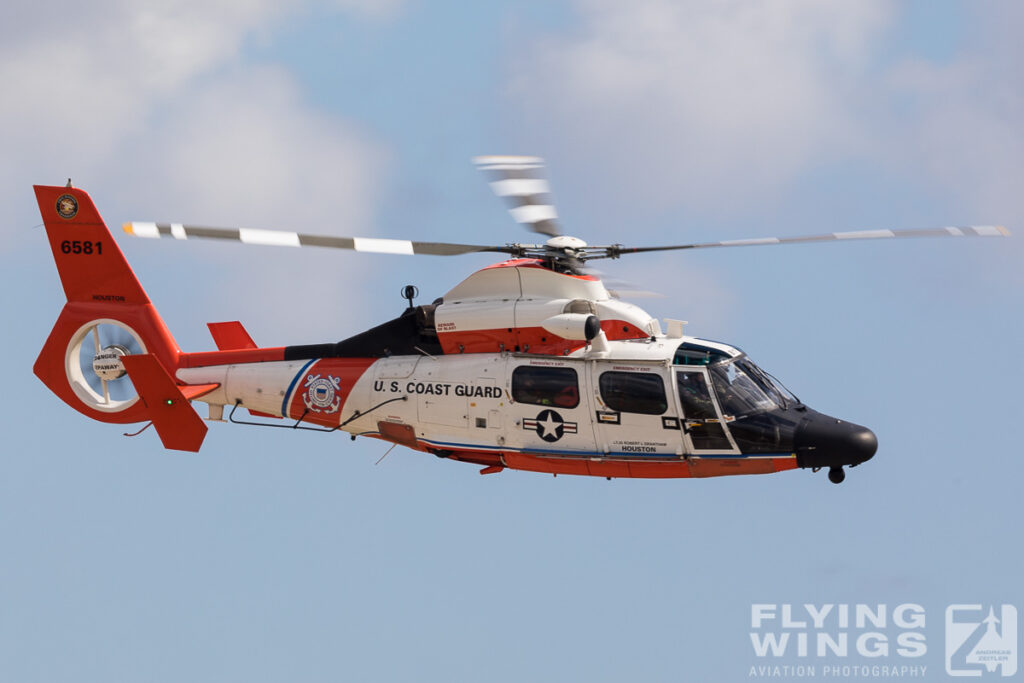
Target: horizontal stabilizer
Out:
[194,391]
[167,405]
[231,336]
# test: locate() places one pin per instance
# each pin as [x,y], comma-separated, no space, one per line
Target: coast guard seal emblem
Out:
[320,393]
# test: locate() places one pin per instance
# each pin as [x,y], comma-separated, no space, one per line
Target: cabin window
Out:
[634,392]
[557,387]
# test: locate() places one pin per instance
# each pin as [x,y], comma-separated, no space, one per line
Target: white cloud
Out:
[244,152]
[75,86]
[683,99]
[80,79]
[963,131]
[956,126]
[375,9]
[720,110]
[245,149]
[151,104]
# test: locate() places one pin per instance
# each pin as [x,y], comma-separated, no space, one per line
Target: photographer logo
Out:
[981,640]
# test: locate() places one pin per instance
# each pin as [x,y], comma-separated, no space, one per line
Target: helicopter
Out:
[527,364]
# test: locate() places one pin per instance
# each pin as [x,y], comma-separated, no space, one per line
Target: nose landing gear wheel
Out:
[836,475]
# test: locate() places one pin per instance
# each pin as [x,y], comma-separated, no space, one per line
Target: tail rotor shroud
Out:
[94,367]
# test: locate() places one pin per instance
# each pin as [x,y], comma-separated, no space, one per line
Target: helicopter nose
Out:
[862,443]
[824,441]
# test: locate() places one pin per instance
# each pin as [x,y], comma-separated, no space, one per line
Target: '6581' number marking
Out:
[81,247]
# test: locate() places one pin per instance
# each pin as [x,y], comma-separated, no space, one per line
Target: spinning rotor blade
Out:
[969,231]
[520,182]
[281,238]
[98,339]
[108,335]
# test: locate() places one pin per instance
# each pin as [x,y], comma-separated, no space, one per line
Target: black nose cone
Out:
[823,441]
[862,443]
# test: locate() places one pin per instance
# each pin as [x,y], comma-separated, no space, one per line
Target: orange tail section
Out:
[231,336]
[107,315]
[178,426]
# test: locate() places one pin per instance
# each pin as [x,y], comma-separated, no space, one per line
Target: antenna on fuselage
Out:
[410,292]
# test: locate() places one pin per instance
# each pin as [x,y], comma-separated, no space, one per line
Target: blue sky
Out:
[274,556]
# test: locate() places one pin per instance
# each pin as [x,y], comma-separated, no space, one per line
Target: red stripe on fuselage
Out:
[640,469]
[322,389]
[532,339]
[537,264]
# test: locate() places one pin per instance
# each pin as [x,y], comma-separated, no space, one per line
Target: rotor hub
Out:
[565,242]
[107,363]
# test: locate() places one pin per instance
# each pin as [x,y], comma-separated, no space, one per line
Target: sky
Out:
[273,555]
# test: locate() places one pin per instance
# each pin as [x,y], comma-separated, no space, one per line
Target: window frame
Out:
[518,376]
[619,408]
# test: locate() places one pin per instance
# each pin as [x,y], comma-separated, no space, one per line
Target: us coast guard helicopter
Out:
[529,364]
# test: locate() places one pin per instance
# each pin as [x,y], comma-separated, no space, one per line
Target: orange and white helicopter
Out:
[529,364]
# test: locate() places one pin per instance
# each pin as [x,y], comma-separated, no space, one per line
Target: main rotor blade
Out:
[520,182]
[967,231]
[281,238]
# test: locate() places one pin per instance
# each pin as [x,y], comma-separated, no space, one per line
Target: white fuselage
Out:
[478,402]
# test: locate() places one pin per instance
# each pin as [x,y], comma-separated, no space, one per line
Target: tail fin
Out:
[107,314]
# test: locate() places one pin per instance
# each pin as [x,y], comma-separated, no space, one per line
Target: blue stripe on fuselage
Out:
[291,387]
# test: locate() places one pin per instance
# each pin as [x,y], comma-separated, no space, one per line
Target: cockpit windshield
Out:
[742,387]
[775,389]
[738,392]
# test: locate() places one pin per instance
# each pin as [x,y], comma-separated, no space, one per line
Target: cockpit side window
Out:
[701,418]
[633,392]
[694,395]
[557,387]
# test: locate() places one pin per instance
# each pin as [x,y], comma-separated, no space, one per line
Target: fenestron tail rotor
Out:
[94,367]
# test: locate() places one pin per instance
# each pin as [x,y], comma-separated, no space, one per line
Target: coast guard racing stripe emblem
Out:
[549,426]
